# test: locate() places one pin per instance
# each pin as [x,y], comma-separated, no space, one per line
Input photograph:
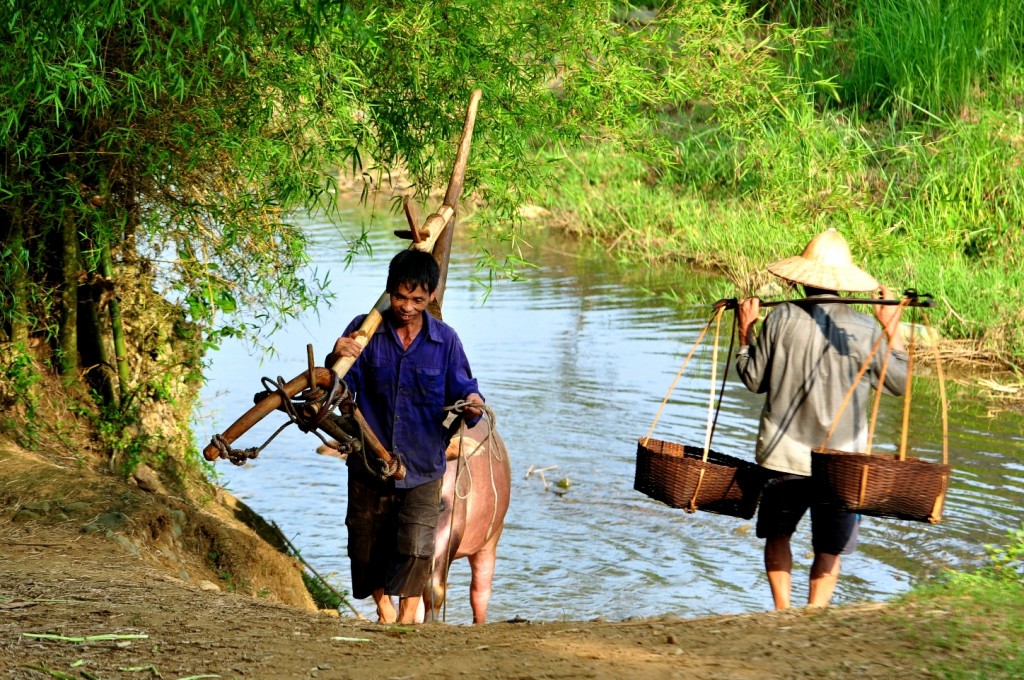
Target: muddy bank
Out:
[100,578]
[213,538]
[77,586]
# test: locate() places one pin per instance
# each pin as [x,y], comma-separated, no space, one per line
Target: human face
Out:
[408,304]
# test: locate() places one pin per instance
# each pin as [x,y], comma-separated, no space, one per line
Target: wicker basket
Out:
[671,473]
[881,485]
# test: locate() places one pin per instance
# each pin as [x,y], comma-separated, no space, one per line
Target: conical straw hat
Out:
[826,263]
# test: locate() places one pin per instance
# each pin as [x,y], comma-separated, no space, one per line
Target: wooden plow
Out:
[311,398]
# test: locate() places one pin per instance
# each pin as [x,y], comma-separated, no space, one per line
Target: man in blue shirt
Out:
[410,370]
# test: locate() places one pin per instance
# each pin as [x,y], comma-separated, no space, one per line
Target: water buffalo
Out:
[474,497]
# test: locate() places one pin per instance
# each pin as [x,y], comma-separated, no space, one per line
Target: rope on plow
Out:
[297,410]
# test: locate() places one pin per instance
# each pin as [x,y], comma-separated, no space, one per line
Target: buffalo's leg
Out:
[433,595]
[481,565]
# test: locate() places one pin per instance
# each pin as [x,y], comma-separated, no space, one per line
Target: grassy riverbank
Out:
[979,632]
[922,173]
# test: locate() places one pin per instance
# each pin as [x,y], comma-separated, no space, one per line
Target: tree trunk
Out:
[67,333]
[92,345]
[116,325]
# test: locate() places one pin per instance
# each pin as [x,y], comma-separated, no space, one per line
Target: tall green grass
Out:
[916,158]
[919,58]
[936,206]
[933,55]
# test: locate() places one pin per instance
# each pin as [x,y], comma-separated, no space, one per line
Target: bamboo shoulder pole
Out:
[423,239]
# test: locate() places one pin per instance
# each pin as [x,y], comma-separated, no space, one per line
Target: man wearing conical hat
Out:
[805,360]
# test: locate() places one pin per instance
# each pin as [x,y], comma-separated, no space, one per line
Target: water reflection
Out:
[575,363]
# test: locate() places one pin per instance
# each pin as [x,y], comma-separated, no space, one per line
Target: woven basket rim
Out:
[694,454]
[884,458]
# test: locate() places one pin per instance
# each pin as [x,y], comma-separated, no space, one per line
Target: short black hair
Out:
[414,268]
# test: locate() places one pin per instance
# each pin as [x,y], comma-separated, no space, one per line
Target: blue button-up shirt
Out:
[402,392]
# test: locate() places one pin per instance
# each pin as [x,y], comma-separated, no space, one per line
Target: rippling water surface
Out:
[575,362]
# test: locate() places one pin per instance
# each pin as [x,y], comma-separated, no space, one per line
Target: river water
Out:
[575,361]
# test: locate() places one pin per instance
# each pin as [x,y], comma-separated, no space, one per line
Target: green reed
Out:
[932,56]
[932,205]
[920,58]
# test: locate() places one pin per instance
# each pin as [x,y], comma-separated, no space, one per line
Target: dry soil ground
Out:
[138,598]
[77,586]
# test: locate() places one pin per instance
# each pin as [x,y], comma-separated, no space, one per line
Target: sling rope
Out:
[324,401]
[856,381]
[682,368]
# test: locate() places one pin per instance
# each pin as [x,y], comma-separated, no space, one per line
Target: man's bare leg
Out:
[778,562]
[824,577]
[407,607]
[385,608]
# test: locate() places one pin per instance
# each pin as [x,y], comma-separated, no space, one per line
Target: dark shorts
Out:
[785,500]
[390,535]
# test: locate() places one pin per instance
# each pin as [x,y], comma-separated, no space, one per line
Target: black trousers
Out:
[390,535]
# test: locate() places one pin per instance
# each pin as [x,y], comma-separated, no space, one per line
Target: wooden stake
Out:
[411,218]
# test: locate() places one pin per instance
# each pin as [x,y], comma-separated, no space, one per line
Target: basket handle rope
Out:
[906,395]
[856,381]
[713,408]
[721,388]
[711,397]
[672,387]
[942,390]
[939,499]
[878,400]
[725,378]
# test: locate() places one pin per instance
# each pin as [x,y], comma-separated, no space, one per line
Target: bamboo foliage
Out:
[184,138]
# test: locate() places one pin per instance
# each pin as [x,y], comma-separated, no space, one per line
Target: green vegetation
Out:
[982,618]
[323,593]
[156,150]
[901,128]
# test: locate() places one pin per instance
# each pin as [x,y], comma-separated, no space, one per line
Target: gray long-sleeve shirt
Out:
[806,359]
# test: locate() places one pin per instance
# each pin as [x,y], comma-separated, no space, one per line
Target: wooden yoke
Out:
[424,238]
[265,406]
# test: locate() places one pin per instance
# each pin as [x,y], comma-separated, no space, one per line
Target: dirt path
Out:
[75,585]
[187,589]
